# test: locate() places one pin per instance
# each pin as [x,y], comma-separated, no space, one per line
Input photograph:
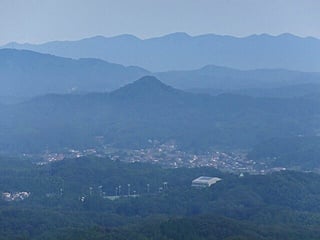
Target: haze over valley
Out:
[206,126]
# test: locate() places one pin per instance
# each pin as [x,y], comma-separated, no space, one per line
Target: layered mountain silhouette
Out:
[222,78]
[24,73]
[146,88]
[180,51]
[148,109]
[27,73]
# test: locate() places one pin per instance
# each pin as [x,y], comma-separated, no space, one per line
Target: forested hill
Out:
[299,152]
[27,74]
[68,201]
[149,109]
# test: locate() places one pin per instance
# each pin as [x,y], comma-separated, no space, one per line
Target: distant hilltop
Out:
[25,73]
[180,51]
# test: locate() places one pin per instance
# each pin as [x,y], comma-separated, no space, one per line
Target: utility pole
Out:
[100,190]
[165,185]
[128,189]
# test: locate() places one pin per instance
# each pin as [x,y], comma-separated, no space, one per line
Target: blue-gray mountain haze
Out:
[24,73]
[180,51]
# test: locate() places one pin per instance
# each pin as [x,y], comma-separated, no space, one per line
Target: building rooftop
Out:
[204,181]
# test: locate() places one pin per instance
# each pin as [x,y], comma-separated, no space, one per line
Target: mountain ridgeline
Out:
[27,74]
[260,82]
[148,109]
[187,52]
[70,120]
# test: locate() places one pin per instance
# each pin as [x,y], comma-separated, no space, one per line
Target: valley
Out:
[159,120]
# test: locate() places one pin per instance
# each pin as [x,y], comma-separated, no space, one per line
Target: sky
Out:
[37,21]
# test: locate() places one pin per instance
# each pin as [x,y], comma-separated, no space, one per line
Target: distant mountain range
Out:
[149,109]
[229,80]
[25,73]
[179,51]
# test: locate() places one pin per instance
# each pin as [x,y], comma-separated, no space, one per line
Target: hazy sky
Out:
[44,20]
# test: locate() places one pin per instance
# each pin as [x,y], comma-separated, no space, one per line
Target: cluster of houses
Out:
[15,196]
